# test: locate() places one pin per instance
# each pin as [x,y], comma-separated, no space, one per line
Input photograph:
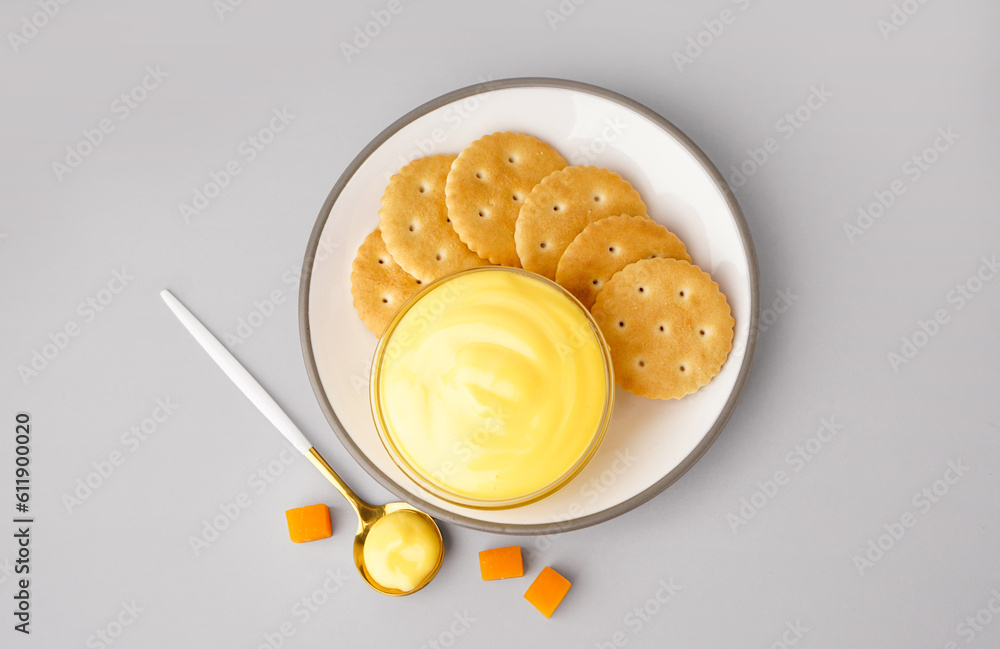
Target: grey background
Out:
[793,565]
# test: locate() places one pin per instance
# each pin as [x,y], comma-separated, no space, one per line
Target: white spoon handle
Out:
[238,374]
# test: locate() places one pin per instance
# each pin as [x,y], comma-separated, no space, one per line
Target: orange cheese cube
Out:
[547,591]
[310,523]
[501,563]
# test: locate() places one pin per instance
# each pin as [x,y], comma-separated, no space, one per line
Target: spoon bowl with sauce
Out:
[398,549]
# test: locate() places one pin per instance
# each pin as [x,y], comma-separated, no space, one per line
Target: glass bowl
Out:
[492,387]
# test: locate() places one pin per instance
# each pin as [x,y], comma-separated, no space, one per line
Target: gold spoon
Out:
[368,515]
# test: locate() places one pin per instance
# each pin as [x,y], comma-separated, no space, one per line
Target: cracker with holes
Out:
[605,247]
[487,185]
[562,205]
[379,286]
[415,225]
[668,325]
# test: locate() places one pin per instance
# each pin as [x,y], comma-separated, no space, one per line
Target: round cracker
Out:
[605,247]
[415,225]
[562,205]
[378,285]
[487,185]
[669,327]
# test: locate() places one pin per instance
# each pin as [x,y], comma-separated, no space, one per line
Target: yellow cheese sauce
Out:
[493,386]
[401,550]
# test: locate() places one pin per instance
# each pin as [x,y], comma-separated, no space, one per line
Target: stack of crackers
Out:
[510,199]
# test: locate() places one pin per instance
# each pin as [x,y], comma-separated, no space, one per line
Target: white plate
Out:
[650,443]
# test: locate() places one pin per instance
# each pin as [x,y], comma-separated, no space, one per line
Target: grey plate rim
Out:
[575,523]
